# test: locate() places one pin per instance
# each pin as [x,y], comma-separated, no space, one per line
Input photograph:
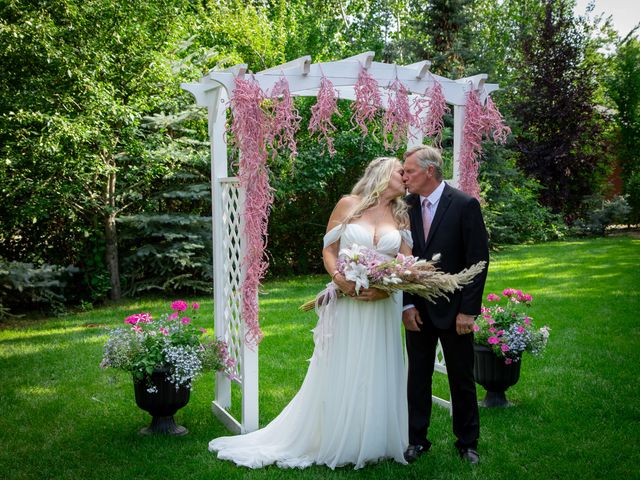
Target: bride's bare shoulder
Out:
[342,210]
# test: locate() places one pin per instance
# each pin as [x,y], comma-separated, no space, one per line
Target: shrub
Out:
[512,212]
[600,213]
[24,285]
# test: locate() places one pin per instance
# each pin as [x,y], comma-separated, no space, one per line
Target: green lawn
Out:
[576,413]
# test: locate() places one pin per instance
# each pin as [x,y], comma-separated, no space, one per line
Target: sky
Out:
[626,13]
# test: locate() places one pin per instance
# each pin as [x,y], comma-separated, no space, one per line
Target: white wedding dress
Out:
[352,405]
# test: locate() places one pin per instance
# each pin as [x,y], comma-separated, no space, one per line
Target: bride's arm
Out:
[330,252]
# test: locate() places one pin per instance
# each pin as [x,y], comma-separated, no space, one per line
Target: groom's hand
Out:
[464,323]
[411,319]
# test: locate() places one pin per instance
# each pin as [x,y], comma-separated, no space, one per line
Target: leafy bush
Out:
[632,189]
[600,213]
[23,285]
[169,252]
[512,212]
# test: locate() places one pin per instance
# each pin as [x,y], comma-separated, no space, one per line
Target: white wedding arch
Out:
[214,91]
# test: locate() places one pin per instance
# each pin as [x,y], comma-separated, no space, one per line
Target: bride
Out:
[352,406]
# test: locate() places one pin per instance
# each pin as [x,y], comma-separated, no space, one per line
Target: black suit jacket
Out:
[459,235]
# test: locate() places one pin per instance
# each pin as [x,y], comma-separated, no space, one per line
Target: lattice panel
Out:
[439,364]
[232,270]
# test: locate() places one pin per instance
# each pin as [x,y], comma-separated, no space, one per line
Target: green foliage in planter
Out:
[26,286]
[512,212]
[600,213]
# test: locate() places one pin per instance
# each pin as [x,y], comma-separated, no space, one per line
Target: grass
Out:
[576,412]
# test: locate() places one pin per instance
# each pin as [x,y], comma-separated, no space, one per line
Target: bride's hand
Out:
[346,286]
[371,295]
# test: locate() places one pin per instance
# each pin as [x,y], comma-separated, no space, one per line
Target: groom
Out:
[444,220]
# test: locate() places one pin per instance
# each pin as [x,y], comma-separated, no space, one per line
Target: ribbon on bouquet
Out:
[325,307]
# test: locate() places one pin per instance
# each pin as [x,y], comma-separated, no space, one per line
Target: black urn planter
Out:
[494,375]
[161,404]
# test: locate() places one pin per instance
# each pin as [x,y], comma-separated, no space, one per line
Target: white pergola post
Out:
[213,92]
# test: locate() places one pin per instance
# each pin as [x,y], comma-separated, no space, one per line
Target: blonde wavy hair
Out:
[374,181]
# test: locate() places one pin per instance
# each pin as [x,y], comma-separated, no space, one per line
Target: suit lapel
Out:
[415,217]
[443,204]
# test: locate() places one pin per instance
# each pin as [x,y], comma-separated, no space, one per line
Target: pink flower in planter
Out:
[179,305]
[476,327]
[493,340]
[507,361]
[174,315]
[138,318]
[492,297]
[195,305]
[137,328]
[203,330]
[492,330]
[185,320]
[504,347]
[164,331]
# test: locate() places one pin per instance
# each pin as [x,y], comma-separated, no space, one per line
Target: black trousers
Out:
[458,353]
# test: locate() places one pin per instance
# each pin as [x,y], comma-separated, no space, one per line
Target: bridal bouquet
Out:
[369,269]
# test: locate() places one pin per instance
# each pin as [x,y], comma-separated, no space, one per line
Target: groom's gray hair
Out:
[426,155]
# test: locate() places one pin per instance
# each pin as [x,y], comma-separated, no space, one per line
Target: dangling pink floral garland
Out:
[434,123]
[367,103]
[494,121]
[398,116]
[321,113]
[479,121]
[249,127]
[286,120]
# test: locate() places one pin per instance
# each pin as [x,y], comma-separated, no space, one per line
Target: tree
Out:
[624,90]
[441,32]
[554,104]
[77,79]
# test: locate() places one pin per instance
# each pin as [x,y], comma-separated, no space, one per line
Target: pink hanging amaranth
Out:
[398,116]
[286,120]
[367,103]
[478,122]
[249,126]
[434,123]
[494,121]
[321,113]
[474,126]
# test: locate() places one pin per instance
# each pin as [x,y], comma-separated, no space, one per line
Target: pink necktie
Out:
[426,218]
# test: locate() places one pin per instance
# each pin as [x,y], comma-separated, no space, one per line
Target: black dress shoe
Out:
[413,452]
[469,455]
